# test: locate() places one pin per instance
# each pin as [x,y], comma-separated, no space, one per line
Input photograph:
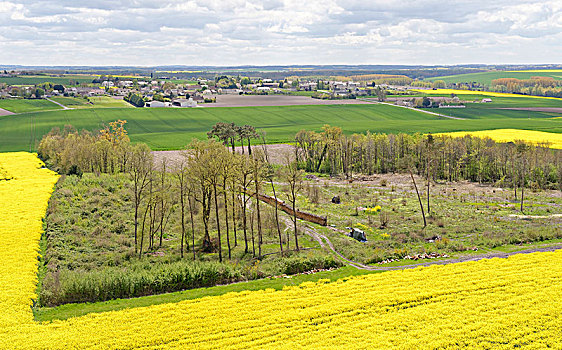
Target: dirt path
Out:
[325,243]
[57,103]
[5,112]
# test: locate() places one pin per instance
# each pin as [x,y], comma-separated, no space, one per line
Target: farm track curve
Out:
[325,243]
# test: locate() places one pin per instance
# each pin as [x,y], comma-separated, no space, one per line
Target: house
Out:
[155,104]
[271,84]
[107,83]
[263,88]
[183,102]
[486,100]
[88,91]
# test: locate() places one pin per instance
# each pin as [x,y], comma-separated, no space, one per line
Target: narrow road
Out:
[57,103]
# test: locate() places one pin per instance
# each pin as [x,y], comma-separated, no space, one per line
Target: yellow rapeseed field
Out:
[510,135]
[470,92]
[23,201]
[497,303]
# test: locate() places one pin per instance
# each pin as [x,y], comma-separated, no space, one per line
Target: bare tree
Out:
[270,175]
[244,171]
[198,160]
[182,191]
[258,177]
[140,172]
[293,175]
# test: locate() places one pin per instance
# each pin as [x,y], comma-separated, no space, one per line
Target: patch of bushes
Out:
[300,264]
[143,278]
[136,280]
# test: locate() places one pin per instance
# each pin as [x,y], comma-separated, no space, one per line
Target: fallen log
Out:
[316,219]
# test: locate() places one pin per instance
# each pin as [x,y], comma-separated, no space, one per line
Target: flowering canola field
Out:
[510,135]
[497,303]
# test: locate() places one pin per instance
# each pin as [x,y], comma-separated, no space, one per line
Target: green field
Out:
[494,109]
[173,128]
[25,105]
[92,102]
[38,79]
[486,78]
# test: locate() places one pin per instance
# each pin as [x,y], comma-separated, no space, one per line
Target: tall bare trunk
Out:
[192,227]
[218,221]
[226,219]
[419,198]
[234,206]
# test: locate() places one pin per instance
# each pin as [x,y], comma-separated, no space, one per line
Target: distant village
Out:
[165,91]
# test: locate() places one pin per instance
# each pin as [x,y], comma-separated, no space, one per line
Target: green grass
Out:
[24,105]
[494,109]
[486,78]
[72,102]
[92,102]
[74,310]
[109,102]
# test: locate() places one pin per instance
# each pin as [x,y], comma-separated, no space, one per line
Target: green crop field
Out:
[486,78]
[24,105]
[173,128]
[494,110]
[38,79]
[92,102]
[72,102]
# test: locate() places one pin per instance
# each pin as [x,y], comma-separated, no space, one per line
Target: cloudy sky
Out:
[268,32]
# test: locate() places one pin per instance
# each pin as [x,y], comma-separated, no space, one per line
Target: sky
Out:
[279,32]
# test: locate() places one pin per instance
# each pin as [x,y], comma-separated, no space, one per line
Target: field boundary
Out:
[416,109]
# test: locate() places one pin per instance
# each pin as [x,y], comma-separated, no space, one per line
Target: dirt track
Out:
[327,244]
[5,112]
[536,109]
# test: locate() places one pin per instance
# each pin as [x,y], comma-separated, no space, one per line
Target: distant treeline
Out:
[537,86]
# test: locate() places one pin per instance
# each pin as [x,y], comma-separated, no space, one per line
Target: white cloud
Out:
[231,32]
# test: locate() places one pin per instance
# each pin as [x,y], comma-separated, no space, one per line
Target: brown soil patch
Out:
[273,100]
[276,153]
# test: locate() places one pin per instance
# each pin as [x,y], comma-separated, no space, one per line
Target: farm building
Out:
[155,104]
[486,100]
[183,102]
